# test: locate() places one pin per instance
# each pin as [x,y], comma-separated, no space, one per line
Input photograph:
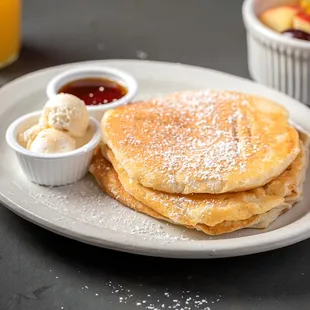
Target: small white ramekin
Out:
[113,74]
[273,59]
[51,169]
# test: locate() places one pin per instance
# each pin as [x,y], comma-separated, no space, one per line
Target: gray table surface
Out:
[40,270]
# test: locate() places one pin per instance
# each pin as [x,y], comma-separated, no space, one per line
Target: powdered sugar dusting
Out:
[154,300]
[85,202]
[187,139]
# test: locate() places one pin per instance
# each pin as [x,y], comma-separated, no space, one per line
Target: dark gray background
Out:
[43,271]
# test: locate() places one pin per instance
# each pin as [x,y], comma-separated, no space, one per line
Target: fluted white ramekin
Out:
[273,59]
[51,169]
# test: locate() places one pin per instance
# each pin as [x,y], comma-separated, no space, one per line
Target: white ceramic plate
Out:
[82,212]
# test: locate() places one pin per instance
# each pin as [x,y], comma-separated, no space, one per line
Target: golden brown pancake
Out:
[201,142]
[289,184]
[108,180]
[208,209]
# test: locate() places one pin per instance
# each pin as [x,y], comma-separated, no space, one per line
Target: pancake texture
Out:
[108,180]
[256,208]
[202,142]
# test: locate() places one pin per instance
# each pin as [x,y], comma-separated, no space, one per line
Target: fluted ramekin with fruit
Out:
[278,39]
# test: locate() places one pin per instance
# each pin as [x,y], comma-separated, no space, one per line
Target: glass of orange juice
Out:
[10,19]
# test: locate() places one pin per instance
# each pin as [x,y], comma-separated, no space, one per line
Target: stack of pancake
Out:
[215,161]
